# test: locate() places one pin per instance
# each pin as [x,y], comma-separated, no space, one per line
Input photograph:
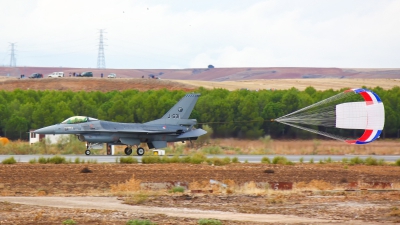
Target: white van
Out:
[56,74]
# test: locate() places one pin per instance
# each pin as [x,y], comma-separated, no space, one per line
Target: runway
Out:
[242,158]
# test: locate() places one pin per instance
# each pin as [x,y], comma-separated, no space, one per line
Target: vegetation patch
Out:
[10,160]
[128,160]
[209,222]
[139,222]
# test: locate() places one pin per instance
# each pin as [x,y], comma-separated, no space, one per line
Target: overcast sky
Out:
[193,34]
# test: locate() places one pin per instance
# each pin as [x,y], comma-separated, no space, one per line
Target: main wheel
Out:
[87,152]
[140,151]
[128,151]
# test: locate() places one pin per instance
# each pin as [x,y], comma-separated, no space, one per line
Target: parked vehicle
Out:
[86,74]
[112,75]
[56,74]
[36,75]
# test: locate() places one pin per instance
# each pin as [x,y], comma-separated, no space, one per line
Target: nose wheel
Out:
[87,152]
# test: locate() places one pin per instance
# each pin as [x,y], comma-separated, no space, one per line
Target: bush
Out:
[42,160]
[311,160]
[177,189]
[33,161]
[265,160]
[151,159]
[371,161]
[198,158]
[10,160]
[345,160]
[69,222]
[281,160]
[301,160]
[235,160]
[57,160]
[139,222]
[397,163]
[356,160]
[128,160]
[209,222]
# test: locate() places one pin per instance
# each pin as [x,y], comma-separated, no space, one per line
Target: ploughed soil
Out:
[318,193]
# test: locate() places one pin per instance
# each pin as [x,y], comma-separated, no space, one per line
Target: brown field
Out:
[318,195]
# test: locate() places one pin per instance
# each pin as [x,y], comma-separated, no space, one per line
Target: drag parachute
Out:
[354,109]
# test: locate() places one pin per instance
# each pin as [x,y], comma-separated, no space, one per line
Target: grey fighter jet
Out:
[174,126]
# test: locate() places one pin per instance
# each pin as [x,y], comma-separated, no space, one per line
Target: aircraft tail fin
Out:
[180,112]
[183,108]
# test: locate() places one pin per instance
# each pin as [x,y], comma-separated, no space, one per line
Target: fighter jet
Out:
[174,126]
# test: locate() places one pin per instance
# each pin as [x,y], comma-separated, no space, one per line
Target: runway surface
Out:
[242,158]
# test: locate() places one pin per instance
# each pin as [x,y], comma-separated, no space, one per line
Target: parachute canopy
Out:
[359,109]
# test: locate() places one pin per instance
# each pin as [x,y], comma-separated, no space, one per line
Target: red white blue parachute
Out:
[358,109]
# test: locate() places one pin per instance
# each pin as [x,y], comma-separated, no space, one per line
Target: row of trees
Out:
[241,113]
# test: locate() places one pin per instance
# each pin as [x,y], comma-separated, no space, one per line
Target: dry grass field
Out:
[301,84]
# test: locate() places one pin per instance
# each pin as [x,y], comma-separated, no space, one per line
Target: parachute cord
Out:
[323,102]
[336,137]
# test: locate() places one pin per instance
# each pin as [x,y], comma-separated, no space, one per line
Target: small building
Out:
[52,138]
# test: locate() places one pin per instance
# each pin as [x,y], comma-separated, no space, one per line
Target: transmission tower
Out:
[13,61]
[101,61]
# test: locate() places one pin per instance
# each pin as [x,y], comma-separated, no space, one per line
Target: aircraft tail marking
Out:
[183,108]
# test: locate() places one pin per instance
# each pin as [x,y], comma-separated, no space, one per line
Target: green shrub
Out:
[356,160]
[281,160]
[33,161]
[381,162]
[10,160]
[235,160]
[140,222]
[328,160]
[345,160]
[301,160]
[57,160]
[77,160]
[198,158]
[371,161]
[42,160]
[209,222]
[177,189]
[128,160]
[265,160]
[311,160]
[151,159]
[397,163]
[69,222]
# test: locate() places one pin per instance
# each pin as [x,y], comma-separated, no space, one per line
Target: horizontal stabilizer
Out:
[193,133]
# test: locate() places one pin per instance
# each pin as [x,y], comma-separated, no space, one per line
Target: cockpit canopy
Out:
[78,119]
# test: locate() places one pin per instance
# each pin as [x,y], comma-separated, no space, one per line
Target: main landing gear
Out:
[139,151]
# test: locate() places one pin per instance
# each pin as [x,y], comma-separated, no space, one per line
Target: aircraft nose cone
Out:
[45,130]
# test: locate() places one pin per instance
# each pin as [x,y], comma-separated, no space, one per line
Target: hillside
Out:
[218,74]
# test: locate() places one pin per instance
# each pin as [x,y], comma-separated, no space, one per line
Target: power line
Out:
[13,61]
[101,61]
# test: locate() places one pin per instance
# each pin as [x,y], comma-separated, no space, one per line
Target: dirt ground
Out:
[320,193]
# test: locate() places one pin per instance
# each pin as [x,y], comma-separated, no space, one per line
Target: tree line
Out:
[240,113]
